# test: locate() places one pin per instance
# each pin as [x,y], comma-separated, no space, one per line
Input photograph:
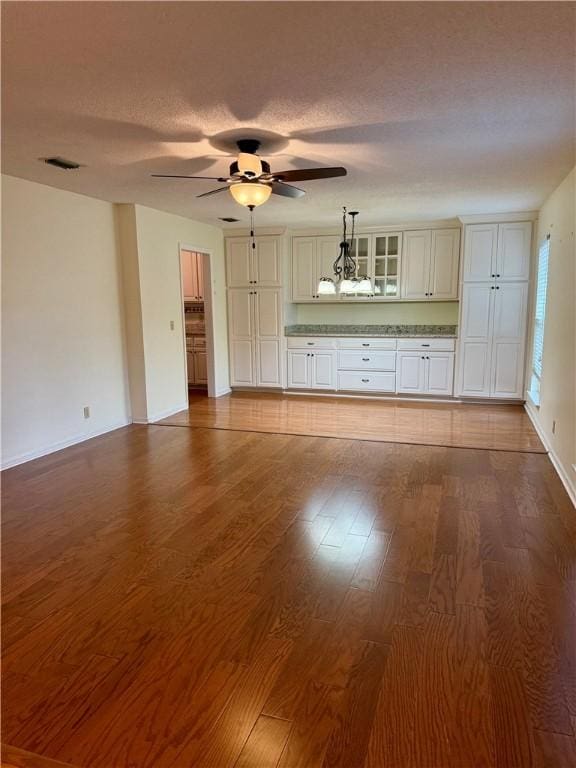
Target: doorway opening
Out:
[196,282]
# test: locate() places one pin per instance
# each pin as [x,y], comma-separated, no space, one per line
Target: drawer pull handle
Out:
[366,381]
[365,359]
[365,345]
[424,345]
[310,343]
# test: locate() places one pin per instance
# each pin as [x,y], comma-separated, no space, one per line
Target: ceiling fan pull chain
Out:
[252,236]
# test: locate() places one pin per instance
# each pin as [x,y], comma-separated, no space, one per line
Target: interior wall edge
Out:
[563,472]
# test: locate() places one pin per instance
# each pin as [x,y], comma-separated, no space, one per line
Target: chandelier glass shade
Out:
[250,194]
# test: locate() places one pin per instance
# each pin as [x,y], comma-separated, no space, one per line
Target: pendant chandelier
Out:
[346,281]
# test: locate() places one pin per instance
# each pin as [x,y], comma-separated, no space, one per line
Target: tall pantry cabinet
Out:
[255,311]
[494,309]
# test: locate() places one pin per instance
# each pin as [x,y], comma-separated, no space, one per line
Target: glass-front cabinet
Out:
[378,257]
[386,265]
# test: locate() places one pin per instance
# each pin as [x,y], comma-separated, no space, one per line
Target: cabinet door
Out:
[416,264]
[385,265]
[327,251]
[513,256]
[186,269]
[200,368]
[480,242]
[477,302]
[303,268]
[323,370]
[199,275]
[267,270]
[242,364]
[474,368]
[238,262]
[444,264]
[240,313]
[509,328]
[440,373]
[410,372]
[190,367]
[268,313]
[298,369]
[268,363]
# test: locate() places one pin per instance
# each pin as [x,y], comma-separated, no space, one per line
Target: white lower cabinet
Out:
[406,366]
[255,337]
[429,374]
[311,370]
[491,353]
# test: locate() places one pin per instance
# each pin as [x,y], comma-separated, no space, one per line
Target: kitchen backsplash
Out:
[405,313]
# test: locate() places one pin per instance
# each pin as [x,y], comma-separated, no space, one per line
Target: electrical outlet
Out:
[171,325]
[86,411]
[554,426]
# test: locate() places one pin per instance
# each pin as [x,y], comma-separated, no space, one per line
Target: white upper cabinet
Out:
[238,262]
[312,258]
[266,267]
[246,266]
[497,252]
[303,268]
[385,265]
[480,244]
[430,264]
[416,264]
[513,255]
[444,264]
[327,252]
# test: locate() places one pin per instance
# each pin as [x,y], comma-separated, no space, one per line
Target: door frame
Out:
[207,256]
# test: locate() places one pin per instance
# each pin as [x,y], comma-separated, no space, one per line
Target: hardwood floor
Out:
[220,599]
[498,427]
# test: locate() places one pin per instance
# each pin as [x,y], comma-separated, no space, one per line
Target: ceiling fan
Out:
[251,182]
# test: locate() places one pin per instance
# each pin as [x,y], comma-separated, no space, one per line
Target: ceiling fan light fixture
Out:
[250,193]
[249,165]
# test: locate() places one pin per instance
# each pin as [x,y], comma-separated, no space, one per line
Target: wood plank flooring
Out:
[459,425]
[215,599]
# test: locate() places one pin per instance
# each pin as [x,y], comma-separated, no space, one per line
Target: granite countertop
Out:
[404,331]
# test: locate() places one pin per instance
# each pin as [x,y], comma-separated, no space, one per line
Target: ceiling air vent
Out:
[59,162]
[228,219]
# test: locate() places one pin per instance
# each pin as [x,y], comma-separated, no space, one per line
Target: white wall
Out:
[558,383]
[410,313]
[158,237]
[62,325]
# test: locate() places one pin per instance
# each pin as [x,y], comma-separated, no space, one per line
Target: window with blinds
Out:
[539,319]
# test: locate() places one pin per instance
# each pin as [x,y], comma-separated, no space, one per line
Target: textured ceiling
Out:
[436,109]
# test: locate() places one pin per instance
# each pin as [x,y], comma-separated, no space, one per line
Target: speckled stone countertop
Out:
[394,331]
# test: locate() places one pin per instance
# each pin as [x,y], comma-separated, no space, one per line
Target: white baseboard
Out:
[162,414]
[563,473]
[37,453]
[222,392]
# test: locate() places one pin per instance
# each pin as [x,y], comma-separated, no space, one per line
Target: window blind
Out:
[540,311]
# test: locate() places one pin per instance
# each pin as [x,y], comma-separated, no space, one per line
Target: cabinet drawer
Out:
[367,382]
[364,343]
[431,345]
[314,342]
[367,361]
